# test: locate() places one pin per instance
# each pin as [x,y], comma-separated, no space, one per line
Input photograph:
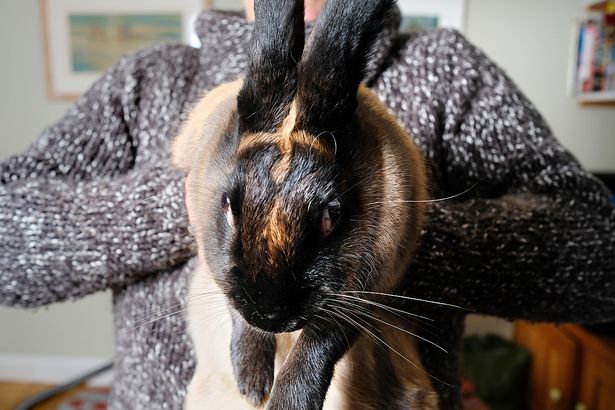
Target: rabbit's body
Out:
[307,200]
[359,375]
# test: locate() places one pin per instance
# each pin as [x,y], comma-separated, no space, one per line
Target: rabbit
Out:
[302,189]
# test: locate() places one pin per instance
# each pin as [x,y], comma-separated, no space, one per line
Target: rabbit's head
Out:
[301,185]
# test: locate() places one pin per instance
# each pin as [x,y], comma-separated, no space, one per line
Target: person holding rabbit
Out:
[95,202]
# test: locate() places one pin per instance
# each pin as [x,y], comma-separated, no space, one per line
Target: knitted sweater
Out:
[94,203]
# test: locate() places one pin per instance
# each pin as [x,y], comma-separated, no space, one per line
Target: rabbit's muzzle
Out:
[273,305]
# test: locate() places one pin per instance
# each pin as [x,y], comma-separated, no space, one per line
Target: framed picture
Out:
[83,38]
[428,14]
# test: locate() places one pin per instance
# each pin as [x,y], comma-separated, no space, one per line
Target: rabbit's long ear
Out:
[336,57]
[271,80]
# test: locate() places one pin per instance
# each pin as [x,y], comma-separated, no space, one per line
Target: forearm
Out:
[520,256]
[65,239]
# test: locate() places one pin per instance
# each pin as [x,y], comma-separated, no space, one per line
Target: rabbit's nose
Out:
[271,320]
[273,316]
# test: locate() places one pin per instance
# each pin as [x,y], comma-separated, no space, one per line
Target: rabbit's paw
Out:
[253,359]
[296,390]
[253,380]
[291,398]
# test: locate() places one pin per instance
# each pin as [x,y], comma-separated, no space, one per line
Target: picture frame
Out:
[83,38]
[429,14]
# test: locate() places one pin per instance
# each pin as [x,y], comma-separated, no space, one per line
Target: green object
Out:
[499,369]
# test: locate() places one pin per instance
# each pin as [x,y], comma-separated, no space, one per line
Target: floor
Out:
[12,394]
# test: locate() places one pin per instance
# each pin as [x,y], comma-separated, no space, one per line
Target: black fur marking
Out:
[271,81]
[262,280]
[298,278]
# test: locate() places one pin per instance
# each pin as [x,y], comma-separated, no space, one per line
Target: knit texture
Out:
[94,204]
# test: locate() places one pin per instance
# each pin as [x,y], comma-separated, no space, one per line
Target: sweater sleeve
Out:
[89,205]
[535,238]
[521,256]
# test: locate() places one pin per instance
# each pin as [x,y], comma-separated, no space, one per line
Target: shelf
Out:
[590,39]
[595,5]
[603,97]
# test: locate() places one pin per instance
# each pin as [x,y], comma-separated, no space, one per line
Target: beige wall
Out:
[227,4]
[24,107]
[82,328]
[530,39]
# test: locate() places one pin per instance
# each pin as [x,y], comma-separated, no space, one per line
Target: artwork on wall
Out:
[428,14]
[83,38]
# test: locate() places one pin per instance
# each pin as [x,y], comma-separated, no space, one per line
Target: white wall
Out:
[530,39]
[24,107]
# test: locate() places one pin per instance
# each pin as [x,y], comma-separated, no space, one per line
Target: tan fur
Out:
[250,141]
[410,372]
[290,122]
[401,176]
[284,344]
[404,178]
[275,232]
[205,123]
[286,143]
[280,169]
[286,137]
[209,325]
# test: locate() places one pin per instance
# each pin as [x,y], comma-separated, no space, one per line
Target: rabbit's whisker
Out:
[407,298]
[386,307]
[378,339]
[147,313]
[409,201]
[213,316]
[374,317]
[141,323]
[423,323]
[138,202]
[333,321]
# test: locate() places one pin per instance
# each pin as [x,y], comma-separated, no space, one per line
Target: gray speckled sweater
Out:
[94,203]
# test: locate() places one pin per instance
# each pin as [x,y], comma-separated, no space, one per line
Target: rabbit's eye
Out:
[225,202]
[330,216]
